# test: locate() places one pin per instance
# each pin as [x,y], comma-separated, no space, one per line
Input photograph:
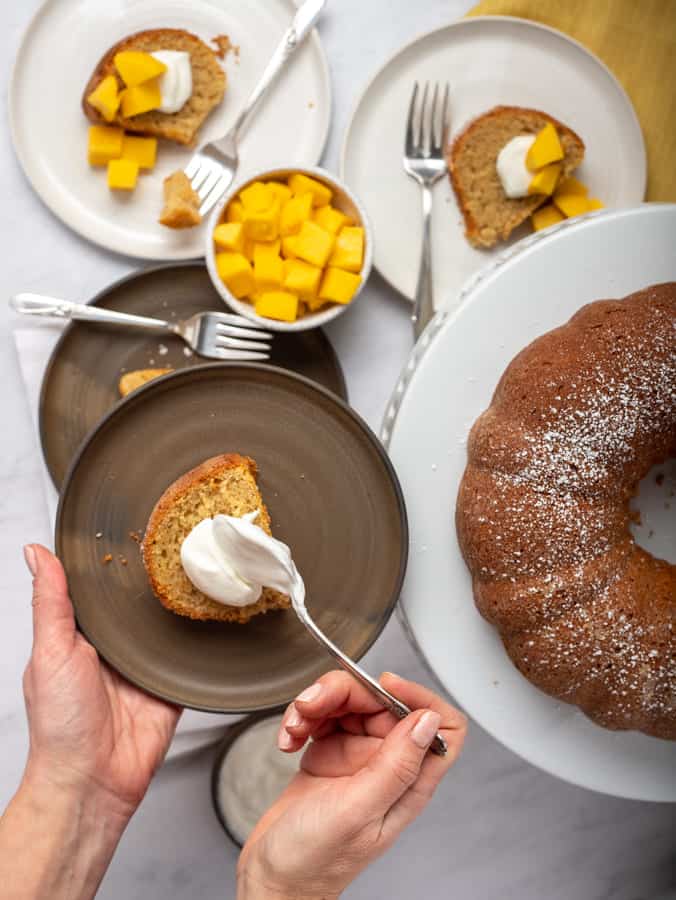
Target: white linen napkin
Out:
[34,346]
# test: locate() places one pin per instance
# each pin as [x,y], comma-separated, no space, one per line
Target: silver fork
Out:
[213,335]
[424,161]
[212,169]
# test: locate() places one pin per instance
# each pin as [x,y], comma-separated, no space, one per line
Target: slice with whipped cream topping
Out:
[208,548]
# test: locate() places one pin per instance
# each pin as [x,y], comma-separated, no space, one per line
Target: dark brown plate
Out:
[333,497]
[80,383]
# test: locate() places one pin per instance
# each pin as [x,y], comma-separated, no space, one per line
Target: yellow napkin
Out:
[636,39]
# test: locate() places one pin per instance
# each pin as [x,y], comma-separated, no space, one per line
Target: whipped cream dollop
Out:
[513,172]
[176,82]
[231,559]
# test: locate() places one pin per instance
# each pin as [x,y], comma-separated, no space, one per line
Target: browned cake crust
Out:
[208,85]
[223,484]
[577,419]
[490,216]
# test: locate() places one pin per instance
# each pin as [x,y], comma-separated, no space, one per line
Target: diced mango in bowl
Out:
[285,248]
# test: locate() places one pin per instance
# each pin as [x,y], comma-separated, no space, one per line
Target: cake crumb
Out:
[223,45]
[107,558]
[310,104]
[135,536]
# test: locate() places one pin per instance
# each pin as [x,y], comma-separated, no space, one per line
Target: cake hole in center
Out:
[655,503]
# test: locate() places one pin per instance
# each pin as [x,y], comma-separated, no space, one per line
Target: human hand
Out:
[365,776]
[90,730]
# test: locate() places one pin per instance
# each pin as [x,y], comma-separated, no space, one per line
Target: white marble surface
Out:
[498,827]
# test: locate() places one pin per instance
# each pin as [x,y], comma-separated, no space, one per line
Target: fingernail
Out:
[425,729]
[294,718]
[310,693]
[31,558]
[284,740]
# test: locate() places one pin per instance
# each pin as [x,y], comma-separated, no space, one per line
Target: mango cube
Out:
[313,244]
[302,278]
[571,185]
[262,224]
[545,149]
[349,250]
[136,67]
[268,267]
[280,305]
[294,212]
[235,211]
[339,286]
[300,184]
[330,219]
[122,174]
[289,246]
[141,149]
[236,273]
[140,98]
[249,247]
[544,181]
[106,98]
[229,236]
[280,191]
[594,203]
[546,216]
[256,197]
[571,204]
[105,143]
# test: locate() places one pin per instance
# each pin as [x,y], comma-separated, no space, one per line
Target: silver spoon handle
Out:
[389,701]
[42,306]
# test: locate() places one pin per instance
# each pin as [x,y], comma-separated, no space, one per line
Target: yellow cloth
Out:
[636,39]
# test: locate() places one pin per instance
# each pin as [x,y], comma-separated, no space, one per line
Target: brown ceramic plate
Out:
[80,383]
[333,497]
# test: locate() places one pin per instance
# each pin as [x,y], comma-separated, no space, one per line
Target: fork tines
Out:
[427,134]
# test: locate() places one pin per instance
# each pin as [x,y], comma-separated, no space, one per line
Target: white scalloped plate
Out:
[446,384]
[488,60]
[60,48]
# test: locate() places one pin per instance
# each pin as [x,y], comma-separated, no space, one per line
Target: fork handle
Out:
[301,26]
[42,306]
[423,301]
[388,700]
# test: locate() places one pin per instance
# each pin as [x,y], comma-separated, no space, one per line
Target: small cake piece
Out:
[208,84]
[281,305]
[141,149]
[313,244]
[136,379]
[224,484]
[302,184]
[490,216]
[181,202]
[122,174]
[106,98]
[236,273]
[339,286]
[105,143]
[349,250]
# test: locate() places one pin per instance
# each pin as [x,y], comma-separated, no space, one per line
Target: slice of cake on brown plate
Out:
[225,485]
[500,176]
[205,89]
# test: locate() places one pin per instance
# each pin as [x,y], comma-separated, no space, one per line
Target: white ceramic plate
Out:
[63,43]
[447,383]
[488,61]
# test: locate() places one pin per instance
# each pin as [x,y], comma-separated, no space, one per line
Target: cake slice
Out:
[208,86]
[223,484]
[490,216]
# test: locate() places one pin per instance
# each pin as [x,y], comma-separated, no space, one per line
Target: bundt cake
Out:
[577,419]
